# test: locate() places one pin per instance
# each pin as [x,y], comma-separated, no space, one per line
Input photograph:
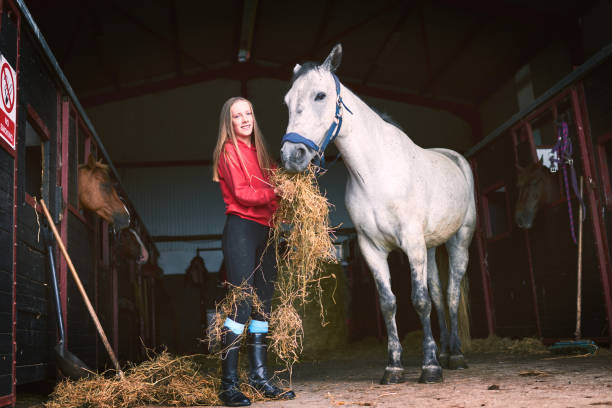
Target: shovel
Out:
[77,280]
[69,364]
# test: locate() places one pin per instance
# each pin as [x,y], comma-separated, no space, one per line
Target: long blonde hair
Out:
[226,133]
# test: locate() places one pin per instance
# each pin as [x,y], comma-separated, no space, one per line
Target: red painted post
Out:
[63,275]
[601,247]
[484,270]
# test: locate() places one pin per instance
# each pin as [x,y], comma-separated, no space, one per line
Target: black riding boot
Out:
[230,393]
[258,377]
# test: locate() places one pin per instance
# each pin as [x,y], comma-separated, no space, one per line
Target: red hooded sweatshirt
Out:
[248,197]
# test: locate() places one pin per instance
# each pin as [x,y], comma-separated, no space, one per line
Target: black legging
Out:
[244,242]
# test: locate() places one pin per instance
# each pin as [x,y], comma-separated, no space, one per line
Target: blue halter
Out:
[330,135]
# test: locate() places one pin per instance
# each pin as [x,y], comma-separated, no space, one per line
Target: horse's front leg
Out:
[415,248]
[376,259]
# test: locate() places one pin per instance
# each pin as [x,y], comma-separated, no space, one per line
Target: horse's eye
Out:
[320,96]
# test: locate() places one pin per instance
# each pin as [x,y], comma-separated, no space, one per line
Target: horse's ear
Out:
[91,161]
[332,62]
[296,68]
[541,161]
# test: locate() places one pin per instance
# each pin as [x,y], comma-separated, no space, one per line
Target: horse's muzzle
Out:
[296,156]
[120,221]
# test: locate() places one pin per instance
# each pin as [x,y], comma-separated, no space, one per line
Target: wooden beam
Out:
[249,11]
[250,70]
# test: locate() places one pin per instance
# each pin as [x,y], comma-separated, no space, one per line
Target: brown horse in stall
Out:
[537,188]
[98,194]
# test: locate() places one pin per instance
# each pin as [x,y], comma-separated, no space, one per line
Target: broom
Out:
[577,346]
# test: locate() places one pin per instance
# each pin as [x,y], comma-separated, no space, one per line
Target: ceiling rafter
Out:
[251,70]
[247,29]
[160,37]
[339,36]
[323,24]
[176,40]
[473,33]
[96,34]
[426,49]
[387,41]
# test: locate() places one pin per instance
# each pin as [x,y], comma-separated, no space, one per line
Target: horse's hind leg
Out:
[377,261]
[458,255]
[435,291]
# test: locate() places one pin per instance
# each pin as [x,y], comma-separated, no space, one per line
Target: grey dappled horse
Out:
[398,195]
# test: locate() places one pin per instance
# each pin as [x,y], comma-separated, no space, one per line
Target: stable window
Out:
[36,138]
[496,209]
[33,161]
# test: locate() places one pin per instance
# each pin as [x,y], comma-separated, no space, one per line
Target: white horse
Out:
[398,195]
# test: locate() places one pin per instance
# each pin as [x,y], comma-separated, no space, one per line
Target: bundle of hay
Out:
[162,380]
[304,247]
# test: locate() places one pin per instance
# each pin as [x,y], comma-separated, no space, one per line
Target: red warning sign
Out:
[8,93]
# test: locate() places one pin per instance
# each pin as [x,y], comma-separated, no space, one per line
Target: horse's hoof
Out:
[457,362]
[443,360]
[431,375]
[393,376]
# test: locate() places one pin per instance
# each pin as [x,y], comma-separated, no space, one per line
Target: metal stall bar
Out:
[574,76]
[600,244]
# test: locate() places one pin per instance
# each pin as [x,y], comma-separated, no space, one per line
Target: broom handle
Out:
[82,290]
[578,333]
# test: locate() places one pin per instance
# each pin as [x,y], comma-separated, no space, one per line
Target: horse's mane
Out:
[98,166]
[309,66]
[304,68]
[387,118]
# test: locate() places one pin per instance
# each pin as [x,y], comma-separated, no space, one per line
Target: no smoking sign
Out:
[8,94]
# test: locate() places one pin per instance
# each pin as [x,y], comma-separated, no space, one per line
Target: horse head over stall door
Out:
[97,194]
[536,187]
[398,195]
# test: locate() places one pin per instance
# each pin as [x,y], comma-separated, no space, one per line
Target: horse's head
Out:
[131,246]
[534,189]
[312,102]
[97,194]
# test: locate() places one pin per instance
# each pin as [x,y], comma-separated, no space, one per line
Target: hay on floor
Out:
[495,344]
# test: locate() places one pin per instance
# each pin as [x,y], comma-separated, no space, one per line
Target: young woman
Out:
[241,165]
